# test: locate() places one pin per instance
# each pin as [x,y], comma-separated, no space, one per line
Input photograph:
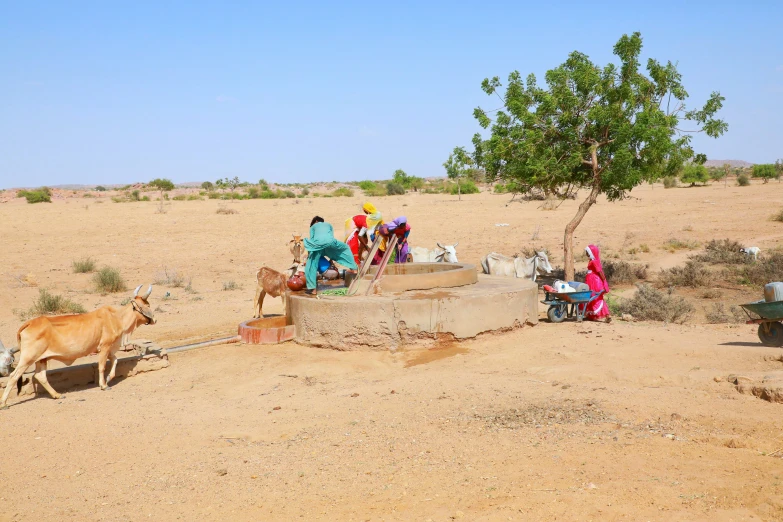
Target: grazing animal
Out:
[500,265]
[275,284]
[65,338]
[296,246]
[751,252]
[6,359]
[442,254]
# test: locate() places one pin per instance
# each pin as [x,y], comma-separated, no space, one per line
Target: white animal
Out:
[500,265]
[751,251]
[442,254]
[6,359]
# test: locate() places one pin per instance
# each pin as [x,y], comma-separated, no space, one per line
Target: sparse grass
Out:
[722,252]
[170,277]
[692,275]
[108,280]
[622,272]
[674,244]
[717,314]
[225,210]
[84,265]
[778,216]
[231,285]
[343,192]
[51,304]
[644,248]
[650,304]
[375,191]
[687,228]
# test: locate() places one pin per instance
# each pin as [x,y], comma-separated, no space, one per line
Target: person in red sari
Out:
[356,236]
[596,280]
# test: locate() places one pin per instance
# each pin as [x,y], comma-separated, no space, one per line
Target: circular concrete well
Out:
[415,302]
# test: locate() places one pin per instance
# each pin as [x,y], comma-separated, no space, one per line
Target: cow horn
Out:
[455,244]
[149,291]
[440,246]
[136,292]
[14,350]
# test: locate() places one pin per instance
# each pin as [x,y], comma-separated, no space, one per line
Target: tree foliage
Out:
[765,171]
[606,129]
[693,174]
[162,184]
[459,166]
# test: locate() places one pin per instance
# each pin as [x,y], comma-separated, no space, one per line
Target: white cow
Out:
[500,265]
[442,254]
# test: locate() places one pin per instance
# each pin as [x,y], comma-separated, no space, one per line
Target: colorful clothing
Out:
[355,228]
[596,280]
[322,243]
[374,218]
[400,228]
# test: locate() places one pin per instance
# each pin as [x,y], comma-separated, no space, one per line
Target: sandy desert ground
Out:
[624,421]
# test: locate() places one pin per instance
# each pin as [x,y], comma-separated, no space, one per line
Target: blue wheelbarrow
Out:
[571,304]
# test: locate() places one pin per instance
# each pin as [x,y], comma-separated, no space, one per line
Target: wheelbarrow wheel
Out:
[771,334]
[556,314]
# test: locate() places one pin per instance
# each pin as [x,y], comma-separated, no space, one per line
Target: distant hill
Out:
[734,163]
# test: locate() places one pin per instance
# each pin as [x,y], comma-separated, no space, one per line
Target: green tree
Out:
[778,169]
[458,167]
[162,184]
[263,184]
[765,171]
[606,129]
[401,178]
[207,185]
[693,173]
[415,183]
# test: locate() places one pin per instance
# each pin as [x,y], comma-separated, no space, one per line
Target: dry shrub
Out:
[765,270]
[669,182]
[51,304]
[693,274]
[743,180]
[674,244]
[712,293]
[84,265]
[722,252]
[622,272]
[717,314]
[170,277]
[108,280]
[231,285]
[650,304]
[224,210]
[778,216]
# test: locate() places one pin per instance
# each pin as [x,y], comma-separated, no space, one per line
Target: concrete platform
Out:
[392,321]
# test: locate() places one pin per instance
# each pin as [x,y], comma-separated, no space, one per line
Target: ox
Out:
[500,265]
[442,254]
[274,283]
[65,338]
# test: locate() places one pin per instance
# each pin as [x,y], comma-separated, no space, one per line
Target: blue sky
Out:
[110,92]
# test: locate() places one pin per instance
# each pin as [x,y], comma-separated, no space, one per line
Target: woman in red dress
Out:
[596,280]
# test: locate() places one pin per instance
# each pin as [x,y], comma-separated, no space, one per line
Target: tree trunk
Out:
[459,190]
[568,239]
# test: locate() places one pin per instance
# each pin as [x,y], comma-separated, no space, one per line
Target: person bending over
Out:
[322,243]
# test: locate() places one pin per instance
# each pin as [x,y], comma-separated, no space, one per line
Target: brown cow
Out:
[296,246]
[65,338]
[274,283]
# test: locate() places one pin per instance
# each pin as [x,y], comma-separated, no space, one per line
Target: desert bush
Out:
[394,189]
[693,275]
[722,252]
[213,195]
[778,216]
[674,244]
[500,188]
[161,184]
[650,304]
[194,197]
[225,210]
[765,171]
[41,195]
[231,285]
[305,191]
[84,265]
[376,191]
[207,185]
[767,269]
[694,174]
[367,185]
[669,182]
[622,272]
[100,188]
[717,314]
[712,293]
[51,304]
[466,186]
[253,193]
[743,180]
[108,280]
[180,197]
[170,277]
[343,192]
